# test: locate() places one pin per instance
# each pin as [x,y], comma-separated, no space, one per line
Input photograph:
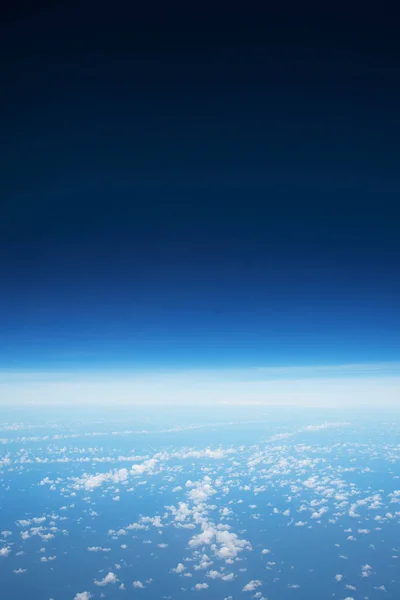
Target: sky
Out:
[199,196]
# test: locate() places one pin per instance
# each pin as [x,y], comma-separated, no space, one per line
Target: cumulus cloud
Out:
[252,585]
[231,545]
[109,578]
[83,596]
[366,570]
[227,545]
[219,575]
[201,490]
[179,568]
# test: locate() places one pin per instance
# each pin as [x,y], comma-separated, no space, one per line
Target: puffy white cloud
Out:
[83,596]
[201,490]
[155,521]
[179,568]
[252,585]
[219,575]
[366,570]
[6,534]
[214,574]
[203,538]
[5,551]
[182,513]
[137,584]
[200,586]
[231,544]
[225,512]
[109,578]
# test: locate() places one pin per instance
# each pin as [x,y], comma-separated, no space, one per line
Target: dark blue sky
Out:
[183,190]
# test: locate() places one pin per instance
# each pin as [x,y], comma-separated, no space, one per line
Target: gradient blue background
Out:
[184,192]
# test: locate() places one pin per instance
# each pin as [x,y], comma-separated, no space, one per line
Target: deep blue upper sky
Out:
[187,190]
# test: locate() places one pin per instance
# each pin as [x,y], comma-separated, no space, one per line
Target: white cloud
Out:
[366,570]
[230,544]
[138,584]
[200,586]
[214,574]
[252,585]
[201,490]
[5,551]
[83,596]
[109,578]
[219,575]
[179,568]
[6,533]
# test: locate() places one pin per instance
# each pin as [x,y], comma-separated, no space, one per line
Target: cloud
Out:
[218,575]
[252,585]
[200,586]
[366,570]
[138,584]
[83,596]
[5,551]
[179,568]
[204,538]
[6,533]
[201,490]
[109,578]
[231,545]
[91,482]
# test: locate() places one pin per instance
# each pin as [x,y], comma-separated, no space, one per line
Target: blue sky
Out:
[179,214]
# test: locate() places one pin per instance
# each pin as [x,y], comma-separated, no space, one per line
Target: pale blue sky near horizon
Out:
[356,385]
